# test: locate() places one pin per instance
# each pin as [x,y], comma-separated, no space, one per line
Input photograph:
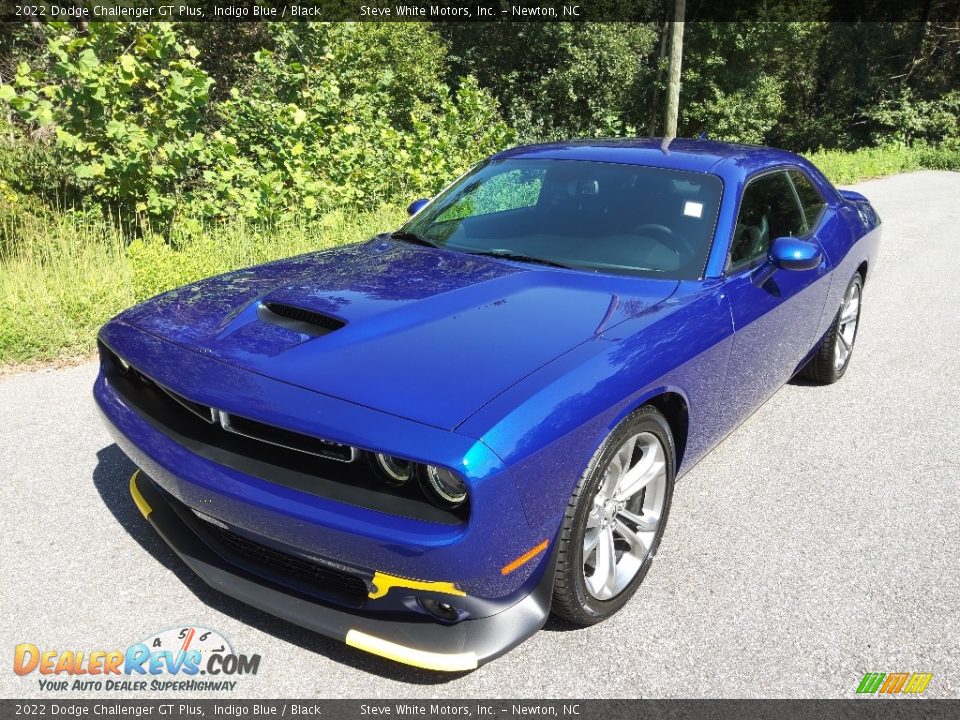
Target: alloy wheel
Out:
[625,516]
[847,330]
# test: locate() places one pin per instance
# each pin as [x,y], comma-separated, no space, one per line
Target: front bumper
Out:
[293,510]
[193,487]
[406,638]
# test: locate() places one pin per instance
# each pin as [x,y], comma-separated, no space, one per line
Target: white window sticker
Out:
[693,209]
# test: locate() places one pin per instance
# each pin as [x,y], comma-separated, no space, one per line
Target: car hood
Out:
[426,334]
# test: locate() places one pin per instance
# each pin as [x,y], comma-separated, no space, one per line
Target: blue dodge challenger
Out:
[424,443]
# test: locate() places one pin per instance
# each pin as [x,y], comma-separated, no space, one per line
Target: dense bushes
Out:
[560,80]
[325,122]
[129,118]
[331,116]
[124,104]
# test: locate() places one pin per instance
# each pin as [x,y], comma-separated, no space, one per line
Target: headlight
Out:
[444,487]
[396,471]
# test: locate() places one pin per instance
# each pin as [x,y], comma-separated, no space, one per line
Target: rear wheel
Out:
[833,356]
[615,520]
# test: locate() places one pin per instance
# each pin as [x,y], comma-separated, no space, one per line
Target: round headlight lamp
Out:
[444,487]
[395,471]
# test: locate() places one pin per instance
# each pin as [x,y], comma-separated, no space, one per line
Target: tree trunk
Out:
[673,80]
[655,109]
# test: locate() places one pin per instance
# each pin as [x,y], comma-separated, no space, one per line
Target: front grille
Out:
[304,463]
[204,412]
[140,393]
[285,438]
[325,579]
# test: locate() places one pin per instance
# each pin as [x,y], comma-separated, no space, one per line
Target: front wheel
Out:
[832,358]
[615,520]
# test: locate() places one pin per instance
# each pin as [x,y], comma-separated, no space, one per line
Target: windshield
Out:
[595,216]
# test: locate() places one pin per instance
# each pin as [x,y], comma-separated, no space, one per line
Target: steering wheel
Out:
[671,237]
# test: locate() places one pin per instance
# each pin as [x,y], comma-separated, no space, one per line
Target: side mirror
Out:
[416,206]
[790,253]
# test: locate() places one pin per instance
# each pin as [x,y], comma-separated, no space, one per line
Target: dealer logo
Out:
[878,683]
[171,660]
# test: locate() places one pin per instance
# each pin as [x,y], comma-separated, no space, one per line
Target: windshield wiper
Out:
[412,237]
[508,255]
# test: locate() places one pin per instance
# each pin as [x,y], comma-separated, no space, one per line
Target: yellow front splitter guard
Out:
[138,498]
[384,581]
[445,662]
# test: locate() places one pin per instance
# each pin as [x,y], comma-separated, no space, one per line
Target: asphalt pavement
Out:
[819,541]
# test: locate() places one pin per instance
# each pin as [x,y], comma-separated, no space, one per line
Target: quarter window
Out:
[768,210]
[810,200]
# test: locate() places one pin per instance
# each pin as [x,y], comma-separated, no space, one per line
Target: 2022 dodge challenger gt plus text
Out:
[424,443]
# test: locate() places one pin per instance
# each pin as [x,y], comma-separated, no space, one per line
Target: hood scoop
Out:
[298,319]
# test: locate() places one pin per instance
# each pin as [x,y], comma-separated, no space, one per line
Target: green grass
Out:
[62,275]
[844,168]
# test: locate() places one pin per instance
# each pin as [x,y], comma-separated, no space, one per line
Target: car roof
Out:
[695,155]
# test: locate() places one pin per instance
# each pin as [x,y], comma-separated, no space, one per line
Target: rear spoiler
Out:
[867,214]
[852,196]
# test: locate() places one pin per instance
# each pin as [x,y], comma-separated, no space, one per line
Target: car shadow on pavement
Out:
[111,478]
[558,624]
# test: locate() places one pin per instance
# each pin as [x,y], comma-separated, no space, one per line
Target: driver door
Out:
[775,317]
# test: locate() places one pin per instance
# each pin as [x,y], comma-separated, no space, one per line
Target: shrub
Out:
[906,119]
[126,103]
[849,167]
[559,80]
[321,124]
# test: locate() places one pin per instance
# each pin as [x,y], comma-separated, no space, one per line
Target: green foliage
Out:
[906,119]
[849,167]
[846,72]
[745,115]
[125,102]
[75,271]
[329,115]
[736,77]
[330,118]
[559,80]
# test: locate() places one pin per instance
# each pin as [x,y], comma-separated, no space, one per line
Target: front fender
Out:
[547,428]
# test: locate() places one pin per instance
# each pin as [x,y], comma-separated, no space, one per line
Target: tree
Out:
[676,61]
[559,80]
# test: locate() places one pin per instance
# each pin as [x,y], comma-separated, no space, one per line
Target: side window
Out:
[768,210]
[810,199]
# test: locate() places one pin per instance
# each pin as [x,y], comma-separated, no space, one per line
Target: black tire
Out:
[822,367]
[571,598]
